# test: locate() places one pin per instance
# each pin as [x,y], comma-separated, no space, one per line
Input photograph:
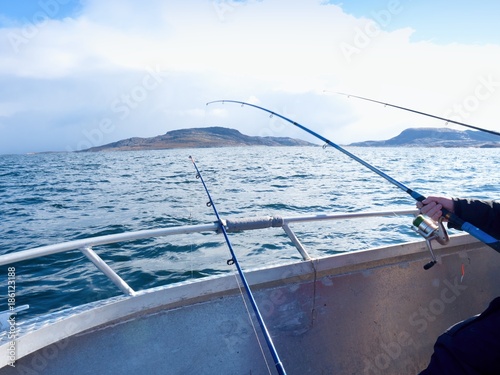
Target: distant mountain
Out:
[197,138]
[436,137]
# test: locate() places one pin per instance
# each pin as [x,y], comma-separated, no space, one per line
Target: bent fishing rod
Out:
[450,216]
[234,260]
[421,113]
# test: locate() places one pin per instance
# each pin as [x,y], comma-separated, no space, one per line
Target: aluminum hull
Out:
[367,312]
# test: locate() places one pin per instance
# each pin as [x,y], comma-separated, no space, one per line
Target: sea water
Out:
[56,197]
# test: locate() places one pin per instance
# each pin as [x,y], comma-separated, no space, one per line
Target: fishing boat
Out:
[374,311]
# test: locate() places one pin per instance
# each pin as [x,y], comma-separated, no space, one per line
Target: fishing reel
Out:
[431,230]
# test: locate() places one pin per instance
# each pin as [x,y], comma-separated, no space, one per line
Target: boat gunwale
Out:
[45,330]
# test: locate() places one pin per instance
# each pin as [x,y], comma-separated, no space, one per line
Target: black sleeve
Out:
[483,214]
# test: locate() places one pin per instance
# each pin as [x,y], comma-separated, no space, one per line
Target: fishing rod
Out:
[451,217]
[234,260]
[421,113]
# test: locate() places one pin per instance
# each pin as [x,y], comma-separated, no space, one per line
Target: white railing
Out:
[231,225]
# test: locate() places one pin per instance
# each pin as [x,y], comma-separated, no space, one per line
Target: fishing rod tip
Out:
[338,93]
[216,101]
[335,92]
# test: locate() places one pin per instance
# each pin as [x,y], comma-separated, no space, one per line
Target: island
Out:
[215,136]
[436,137]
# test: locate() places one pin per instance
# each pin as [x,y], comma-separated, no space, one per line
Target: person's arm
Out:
[483,214]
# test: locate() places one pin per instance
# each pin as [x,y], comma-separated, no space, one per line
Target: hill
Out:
[436,137]
[197,138]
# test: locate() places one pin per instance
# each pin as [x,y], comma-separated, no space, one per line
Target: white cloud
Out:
[150,67]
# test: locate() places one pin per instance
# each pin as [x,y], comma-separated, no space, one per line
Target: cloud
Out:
[123,69]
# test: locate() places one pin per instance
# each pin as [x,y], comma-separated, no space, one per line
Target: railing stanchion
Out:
[104,268]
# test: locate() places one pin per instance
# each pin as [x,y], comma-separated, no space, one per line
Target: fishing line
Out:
[452,218]
[420,113]
[234,260]
[251,322]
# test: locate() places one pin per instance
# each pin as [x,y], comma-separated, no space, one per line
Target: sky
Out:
[81,73]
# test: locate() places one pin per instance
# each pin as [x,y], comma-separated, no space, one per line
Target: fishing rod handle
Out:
[472,230]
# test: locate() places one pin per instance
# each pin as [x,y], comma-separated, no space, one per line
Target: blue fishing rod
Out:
[234,260]
[421,113]
[454,219]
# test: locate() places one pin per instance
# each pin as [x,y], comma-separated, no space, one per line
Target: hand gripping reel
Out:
[431,230]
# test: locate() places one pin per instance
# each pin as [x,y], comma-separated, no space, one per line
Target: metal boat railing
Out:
[231,225]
